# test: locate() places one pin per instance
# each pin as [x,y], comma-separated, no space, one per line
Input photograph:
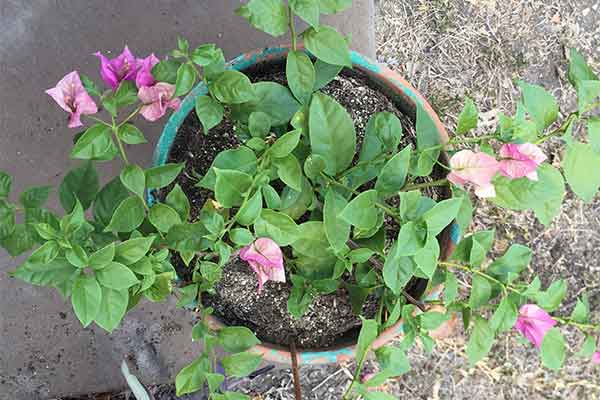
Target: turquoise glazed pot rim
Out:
[404,95]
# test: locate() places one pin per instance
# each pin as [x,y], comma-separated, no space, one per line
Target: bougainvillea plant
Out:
[112,245]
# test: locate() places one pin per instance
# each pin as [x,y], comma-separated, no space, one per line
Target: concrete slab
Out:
[43,350]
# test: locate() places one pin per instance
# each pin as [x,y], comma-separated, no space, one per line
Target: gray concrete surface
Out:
[44,352]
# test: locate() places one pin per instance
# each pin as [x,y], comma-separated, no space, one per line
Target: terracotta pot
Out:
[405,98]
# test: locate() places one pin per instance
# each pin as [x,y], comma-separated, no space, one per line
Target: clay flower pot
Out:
[405,98]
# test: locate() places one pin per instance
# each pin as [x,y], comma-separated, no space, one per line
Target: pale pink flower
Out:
[72,97]
[157,99]
[533,323]
[519,160]
[477,169]
[596,357]
[265,259]
[121,68]
[144,71]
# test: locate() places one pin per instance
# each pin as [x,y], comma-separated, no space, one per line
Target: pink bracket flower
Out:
[265,259]
[596,357]
[121,68]
[72,97]
[144,71]
[521,160]
[533,323]
[157,99]
[475,168]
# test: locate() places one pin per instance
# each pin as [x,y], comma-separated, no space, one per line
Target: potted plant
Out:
[307,194]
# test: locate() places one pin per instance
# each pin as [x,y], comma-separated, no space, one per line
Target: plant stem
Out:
[292,24]
[561,129]
[581,326]
[133,114]
[295,370]
[460,139]
[505,288]
[439,182]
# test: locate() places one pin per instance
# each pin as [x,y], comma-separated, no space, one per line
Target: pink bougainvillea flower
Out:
[266,259]
[144,71]
[596,357]
[121,68]
[477,169]
[533,323]
[519,160]
[157,99]
[72,97]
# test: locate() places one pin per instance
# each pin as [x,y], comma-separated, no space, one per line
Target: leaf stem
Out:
[568,321]
[115,128]
[439,182]
[505,288]
[561,129]
[292,24]
[133,114]
[460,139]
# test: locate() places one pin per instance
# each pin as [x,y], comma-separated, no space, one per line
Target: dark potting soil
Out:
[329,320]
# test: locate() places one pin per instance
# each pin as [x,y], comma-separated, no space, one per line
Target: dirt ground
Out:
[449,49]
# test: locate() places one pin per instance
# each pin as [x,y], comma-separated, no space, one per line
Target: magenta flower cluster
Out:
[157,97]
[478,169]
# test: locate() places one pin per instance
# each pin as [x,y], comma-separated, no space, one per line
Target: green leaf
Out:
[95,143]
[35,197]
[259,124]
[163,175]
[334,6]
[77,256]
[44,254]
[249,212]
[579,160]
[230,186]
[392,360]
[362,211]
[411,238]
[236,339]
[450,288]
[311,240]
[128,215]
[187,295]
[112,308]
[553,349]
[465,213]
[116,276]
[102,257]
[413,205]
[550,299]
[289,171]
[328,45]
[382,134]
[205,54]
[166,71]
[581,312]
[578,69]
[300,298]
[232,87]
[480,342]
[241,236]
[540,105]
[504,317]
[308,10]
[133,250]
[192,378]
[81,183]
[275,100]
[481,292]
[441,215]
[270,16]
[512,263]
[277,226]
[7,219]
[337,230]
[393,175]
[587,93]
[428,256]
[588,348]
[89,85]
[242,159]
[300,73]
[241,364]
[19,241]
[285,144]
[178,201]
[134,179]
[468,117]
[108,199]
[186,77]
[325,73]
[397,270]
[209,112]
[366,337]
[332,133]
[271,197]
[593,128]
[214,382]
[86,298]
[5,184]
[130,134]
[163,217]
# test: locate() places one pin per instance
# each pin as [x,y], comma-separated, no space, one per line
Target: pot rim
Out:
[386,78]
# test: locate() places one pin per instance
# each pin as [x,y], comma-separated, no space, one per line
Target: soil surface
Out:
[329,320]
